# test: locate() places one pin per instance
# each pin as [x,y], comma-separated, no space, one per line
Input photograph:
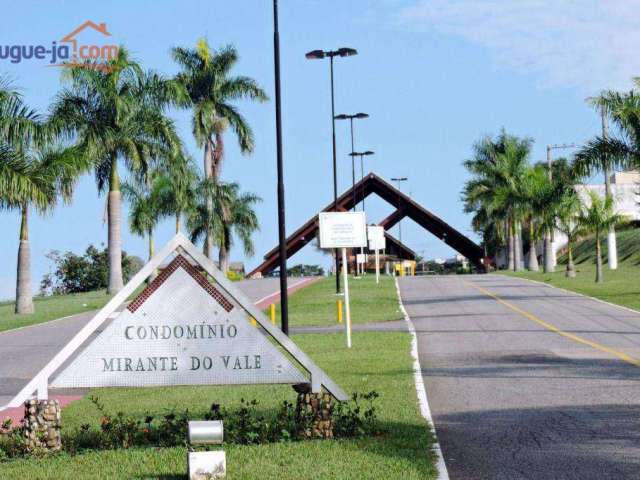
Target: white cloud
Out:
[587,44]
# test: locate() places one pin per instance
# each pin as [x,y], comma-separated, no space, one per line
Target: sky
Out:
[434,76]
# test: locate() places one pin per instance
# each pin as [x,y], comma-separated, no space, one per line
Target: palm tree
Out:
[145,211]
[597,218]
[176,183]
[603,153]
[34,179]
[212,90]
[116,114]
[241,222]
[211,207]
[498,167]
[568,213]
[232,215]
[34,172]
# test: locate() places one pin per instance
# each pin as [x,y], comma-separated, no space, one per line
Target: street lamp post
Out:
[282,238]
[362,155]
[316,55]
[343,116]
[398,180]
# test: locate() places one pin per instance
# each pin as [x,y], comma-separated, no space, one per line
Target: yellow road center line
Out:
[530,316]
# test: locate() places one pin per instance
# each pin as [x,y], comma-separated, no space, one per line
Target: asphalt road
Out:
[513,398]
[25,351]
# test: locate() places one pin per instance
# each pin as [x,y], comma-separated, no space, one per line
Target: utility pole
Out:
[612,248]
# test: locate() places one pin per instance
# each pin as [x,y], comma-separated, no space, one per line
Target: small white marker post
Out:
[377,266]
[345,278]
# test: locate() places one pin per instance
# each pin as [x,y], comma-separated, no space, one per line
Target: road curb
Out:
[423,401]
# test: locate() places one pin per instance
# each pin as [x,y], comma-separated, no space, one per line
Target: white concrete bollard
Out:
[206,465]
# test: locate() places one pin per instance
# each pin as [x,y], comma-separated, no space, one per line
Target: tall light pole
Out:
[362,155]
[549,252]
[343,116]
[282,238]
[399,180]
[316,55]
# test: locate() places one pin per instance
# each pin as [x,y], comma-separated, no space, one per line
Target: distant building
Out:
[625,187]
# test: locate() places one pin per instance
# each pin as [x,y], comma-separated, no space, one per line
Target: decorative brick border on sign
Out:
[177,262]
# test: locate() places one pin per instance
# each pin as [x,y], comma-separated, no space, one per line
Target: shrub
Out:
[245,425]
[84,273]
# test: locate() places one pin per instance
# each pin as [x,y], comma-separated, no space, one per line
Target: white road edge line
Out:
[443,474]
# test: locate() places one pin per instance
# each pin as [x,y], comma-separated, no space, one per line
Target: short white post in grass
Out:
[347,309]
[206,465]
[377,266]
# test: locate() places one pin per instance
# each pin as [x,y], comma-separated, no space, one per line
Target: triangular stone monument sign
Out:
[182,329]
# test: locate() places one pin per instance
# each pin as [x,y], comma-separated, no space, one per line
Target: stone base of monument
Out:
[42,425]
[314,412]
[207,465]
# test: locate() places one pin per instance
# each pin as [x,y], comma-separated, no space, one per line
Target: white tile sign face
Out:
[377,240]
[342,229]
[181,330]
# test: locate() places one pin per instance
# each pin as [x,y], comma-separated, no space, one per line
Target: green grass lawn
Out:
[621,286]
[369,302]
[50,308]
[377,361]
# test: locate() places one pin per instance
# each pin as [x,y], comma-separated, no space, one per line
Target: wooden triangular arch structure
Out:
[181,247]
[405,207]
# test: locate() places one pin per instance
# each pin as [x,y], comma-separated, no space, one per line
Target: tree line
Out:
[113,120]
[513,200]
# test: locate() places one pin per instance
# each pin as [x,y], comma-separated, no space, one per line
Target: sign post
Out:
[345,277]
[377,242]
[343,230]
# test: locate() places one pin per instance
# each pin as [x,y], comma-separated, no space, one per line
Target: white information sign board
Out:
[377,240]
[342,229]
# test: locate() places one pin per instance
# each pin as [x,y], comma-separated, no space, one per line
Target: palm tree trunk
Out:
[218,156]
[612,247]
[115,239]
[571,269]
[548,253]
[208,172]
[24,299]
[599,277]
[510,249]
[223,253]
[152,249]
[518,256]
[533,255]
[177,222]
